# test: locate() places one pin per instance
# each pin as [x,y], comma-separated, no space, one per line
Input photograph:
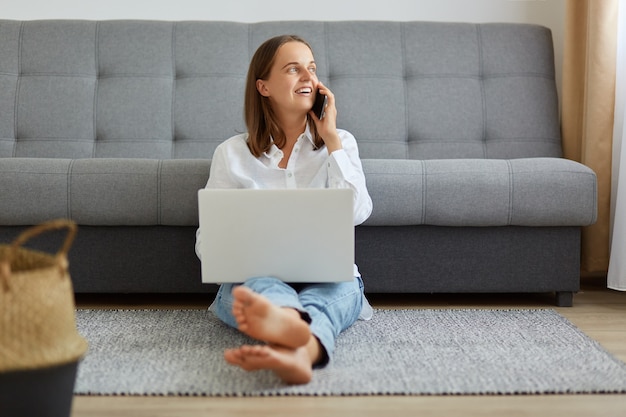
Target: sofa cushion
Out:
[475,192]
[101,192]
[33,190]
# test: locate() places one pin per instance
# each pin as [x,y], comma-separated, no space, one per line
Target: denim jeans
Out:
[330,308]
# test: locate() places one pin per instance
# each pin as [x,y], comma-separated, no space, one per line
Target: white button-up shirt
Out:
[234,166]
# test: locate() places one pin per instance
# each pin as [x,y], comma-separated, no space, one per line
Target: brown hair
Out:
[259,117]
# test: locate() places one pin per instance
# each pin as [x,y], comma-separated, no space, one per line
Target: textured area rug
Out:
[400,352]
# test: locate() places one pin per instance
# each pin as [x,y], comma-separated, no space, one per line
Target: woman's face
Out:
[292,82]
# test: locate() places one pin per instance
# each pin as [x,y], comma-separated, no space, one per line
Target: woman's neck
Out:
[293,127]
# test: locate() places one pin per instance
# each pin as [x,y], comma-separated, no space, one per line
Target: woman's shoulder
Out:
[237,140]
[237,143]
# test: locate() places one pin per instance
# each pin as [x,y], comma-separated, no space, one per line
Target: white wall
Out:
[546,12]
[550,13]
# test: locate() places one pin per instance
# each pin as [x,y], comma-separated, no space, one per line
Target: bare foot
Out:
[257,317]
[292,365]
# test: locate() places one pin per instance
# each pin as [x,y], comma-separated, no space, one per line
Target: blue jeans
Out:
[329,308]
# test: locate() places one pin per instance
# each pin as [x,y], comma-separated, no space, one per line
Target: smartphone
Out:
[319,107]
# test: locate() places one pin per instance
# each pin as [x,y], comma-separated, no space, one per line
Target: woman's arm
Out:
[344,165]
[346,171]
[219,177]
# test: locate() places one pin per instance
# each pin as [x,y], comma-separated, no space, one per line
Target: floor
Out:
[599,312]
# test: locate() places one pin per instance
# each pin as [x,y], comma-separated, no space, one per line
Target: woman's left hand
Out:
[327,127]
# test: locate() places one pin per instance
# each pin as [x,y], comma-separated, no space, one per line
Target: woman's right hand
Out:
[327,127]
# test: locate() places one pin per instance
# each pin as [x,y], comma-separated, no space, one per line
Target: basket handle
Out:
[44,227]
[61,255]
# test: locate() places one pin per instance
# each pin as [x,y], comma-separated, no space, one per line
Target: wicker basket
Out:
[39,344]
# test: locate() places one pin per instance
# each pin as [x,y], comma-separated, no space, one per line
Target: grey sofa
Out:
[113,124]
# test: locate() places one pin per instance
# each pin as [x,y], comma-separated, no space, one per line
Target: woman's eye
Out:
[293,69]
[313,70]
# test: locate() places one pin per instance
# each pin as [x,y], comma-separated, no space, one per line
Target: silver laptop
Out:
[295,235]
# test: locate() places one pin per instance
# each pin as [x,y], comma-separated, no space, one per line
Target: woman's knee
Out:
[341,303]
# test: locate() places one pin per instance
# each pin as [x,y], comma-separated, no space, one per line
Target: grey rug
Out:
[400,352]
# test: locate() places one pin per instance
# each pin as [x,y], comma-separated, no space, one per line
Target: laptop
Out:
[295,235]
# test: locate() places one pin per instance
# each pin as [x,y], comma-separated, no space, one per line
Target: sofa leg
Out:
[564,298]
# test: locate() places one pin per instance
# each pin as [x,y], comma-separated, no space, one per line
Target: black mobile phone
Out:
[319,107]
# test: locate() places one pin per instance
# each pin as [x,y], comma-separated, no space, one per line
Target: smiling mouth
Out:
[304,90]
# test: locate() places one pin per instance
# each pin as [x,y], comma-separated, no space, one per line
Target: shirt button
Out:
[289,174]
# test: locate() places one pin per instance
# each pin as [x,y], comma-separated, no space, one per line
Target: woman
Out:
[288,146]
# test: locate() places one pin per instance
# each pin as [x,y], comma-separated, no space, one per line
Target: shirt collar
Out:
[309,135]
[273,151]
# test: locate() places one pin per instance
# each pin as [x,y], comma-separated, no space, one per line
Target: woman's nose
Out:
[310,78]
[308,75]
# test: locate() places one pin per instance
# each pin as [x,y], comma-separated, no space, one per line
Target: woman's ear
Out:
[262,88]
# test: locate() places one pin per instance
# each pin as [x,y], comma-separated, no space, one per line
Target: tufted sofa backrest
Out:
[174,90]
